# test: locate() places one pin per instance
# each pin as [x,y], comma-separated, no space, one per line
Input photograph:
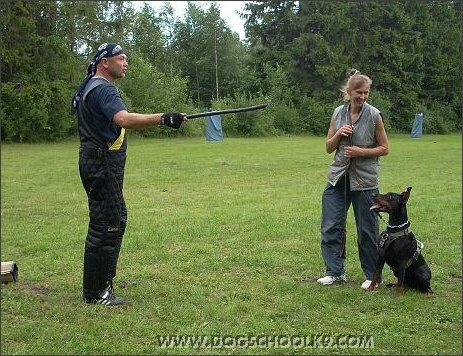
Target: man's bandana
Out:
[105,50]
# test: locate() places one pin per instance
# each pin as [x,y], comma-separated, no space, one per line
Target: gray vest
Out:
[363,171]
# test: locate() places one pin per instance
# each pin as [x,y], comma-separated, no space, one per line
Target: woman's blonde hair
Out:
[356,80]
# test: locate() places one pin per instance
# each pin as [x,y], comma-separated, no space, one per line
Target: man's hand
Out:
[173,119]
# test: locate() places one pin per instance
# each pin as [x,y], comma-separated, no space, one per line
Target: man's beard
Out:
[117,75]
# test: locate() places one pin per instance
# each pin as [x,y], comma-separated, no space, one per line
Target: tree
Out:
[404,46]
[297,53]
[209,54]
[35,73]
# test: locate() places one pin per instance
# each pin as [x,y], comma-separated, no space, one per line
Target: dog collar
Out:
[406,223]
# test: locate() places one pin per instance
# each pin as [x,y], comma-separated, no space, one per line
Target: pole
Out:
[229,111]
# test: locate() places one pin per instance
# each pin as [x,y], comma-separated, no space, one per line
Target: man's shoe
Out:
[327,280]
[107,297]
[366,284]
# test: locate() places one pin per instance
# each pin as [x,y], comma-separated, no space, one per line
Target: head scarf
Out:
[106,50]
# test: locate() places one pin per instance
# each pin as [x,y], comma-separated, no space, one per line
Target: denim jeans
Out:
[336,200]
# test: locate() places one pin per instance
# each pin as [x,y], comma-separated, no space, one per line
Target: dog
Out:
[398,246]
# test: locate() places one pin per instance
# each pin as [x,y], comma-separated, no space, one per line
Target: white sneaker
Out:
[327,280]
[366,284]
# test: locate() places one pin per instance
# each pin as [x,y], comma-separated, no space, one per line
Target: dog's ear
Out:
[405,195]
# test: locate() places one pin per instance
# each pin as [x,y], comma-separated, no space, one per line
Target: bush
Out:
[285,119]
[440,120]
[247,124]
[315,117]
[36,112]
[383,103]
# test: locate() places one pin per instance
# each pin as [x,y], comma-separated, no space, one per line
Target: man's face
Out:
[116,66]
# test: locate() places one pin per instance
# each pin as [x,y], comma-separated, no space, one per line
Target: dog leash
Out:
[342,252]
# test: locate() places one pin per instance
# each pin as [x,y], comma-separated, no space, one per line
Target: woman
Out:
[358,136]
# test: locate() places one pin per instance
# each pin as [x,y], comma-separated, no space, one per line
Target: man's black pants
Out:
[102,178]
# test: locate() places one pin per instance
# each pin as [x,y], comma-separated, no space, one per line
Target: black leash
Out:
[342,252]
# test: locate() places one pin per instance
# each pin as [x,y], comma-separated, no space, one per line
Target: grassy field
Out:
[223,242]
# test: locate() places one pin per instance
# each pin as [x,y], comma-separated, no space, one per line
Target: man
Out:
[102,121]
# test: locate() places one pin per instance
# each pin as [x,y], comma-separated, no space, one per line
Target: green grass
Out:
[220,236]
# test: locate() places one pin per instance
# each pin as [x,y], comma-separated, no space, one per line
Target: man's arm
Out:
[137,121]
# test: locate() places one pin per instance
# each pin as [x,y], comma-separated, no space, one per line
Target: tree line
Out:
[296,56]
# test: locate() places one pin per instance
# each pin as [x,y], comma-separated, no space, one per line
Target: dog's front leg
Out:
[375,280]
[399,288]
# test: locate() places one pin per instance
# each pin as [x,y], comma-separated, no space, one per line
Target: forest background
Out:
[296,56]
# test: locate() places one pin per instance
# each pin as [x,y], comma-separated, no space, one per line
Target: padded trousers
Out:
[102,179]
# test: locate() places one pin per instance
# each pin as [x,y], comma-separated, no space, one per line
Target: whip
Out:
[229,111]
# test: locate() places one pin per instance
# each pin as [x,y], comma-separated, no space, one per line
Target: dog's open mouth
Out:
[378,208]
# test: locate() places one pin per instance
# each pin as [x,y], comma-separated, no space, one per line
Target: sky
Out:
[228,11]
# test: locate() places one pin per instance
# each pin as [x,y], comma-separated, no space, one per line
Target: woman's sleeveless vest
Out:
[363,171]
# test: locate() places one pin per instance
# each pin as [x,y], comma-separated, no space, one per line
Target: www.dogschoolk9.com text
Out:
[315,341]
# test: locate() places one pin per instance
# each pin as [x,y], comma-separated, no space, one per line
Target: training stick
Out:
[220,112]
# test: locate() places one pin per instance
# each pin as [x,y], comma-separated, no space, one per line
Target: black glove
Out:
[172,119]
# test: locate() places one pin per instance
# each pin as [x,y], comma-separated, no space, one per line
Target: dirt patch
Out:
[35,289]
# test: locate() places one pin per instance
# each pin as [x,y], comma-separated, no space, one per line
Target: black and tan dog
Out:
[398,246]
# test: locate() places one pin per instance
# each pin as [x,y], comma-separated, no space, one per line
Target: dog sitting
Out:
[398,246]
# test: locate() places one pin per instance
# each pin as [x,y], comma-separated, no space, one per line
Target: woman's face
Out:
[359,95]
